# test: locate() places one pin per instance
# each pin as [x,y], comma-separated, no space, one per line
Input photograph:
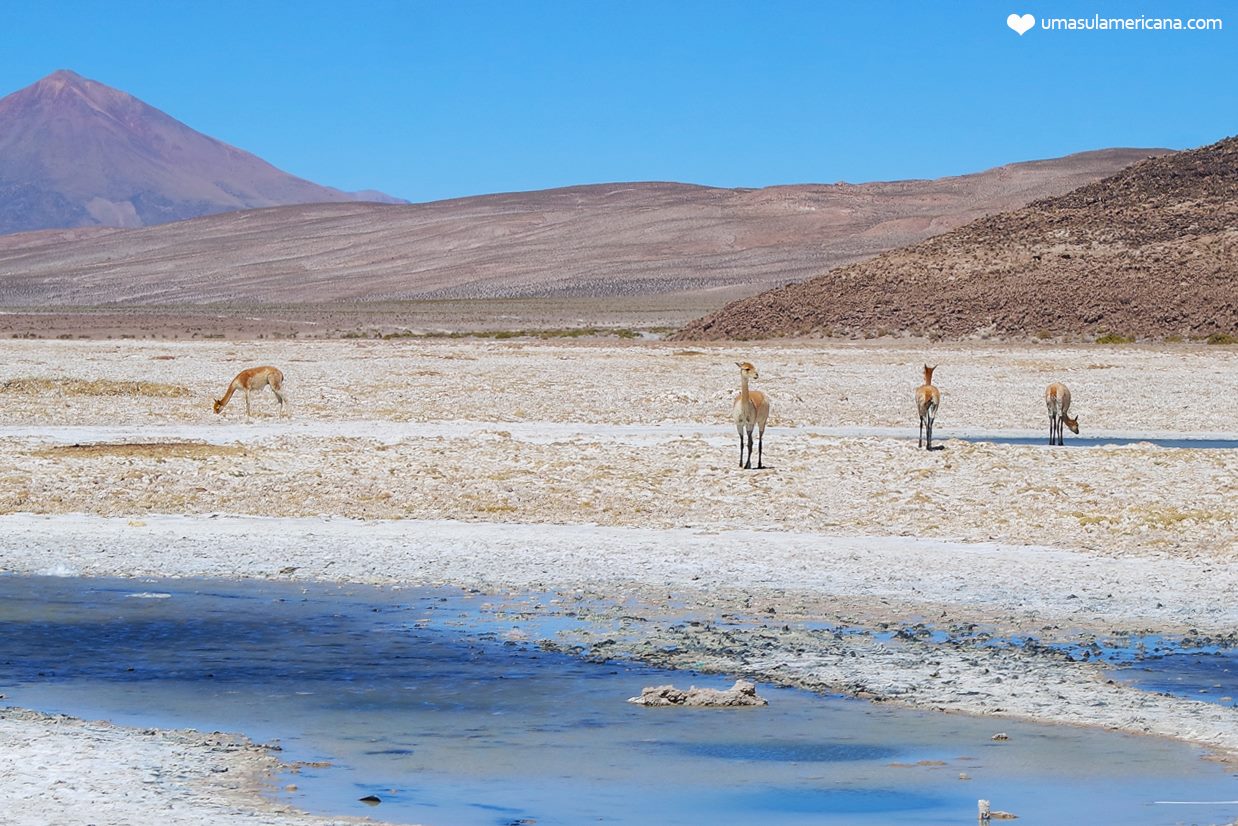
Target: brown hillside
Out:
[1150,252]
[607,240]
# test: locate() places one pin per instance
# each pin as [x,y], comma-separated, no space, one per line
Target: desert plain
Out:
[605,472]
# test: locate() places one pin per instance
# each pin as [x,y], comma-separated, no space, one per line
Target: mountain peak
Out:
[63,76]
[64,90]
[60,81]
[75,152]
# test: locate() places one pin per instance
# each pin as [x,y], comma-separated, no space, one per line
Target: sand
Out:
[606,473]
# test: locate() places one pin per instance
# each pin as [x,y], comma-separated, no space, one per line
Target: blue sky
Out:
[432,100]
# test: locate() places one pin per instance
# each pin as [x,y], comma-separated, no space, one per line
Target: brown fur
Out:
[1057,400]
[254,379]
[928,399]
[750,411]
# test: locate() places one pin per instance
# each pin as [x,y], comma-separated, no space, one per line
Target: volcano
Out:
[77,153]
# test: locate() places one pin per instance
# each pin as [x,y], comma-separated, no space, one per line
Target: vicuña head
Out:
[747,370]
[928,373]
[1073,424]
[219,405]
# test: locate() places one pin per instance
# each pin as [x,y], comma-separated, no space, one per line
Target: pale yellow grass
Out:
[41,386]
[139,450]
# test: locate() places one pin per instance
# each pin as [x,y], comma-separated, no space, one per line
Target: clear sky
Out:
[428,100]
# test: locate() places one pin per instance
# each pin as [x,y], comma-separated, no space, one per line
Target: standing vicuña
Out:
[255,378]
[928,399]
[751,410]
[1057,399]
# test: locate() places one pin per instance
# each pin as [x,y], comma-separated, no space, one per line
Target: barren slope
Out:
[601,240]
[77,153]
[1151,251]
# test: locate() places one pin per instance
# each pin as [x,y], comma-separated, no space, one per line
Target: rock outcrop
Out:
[1150,252]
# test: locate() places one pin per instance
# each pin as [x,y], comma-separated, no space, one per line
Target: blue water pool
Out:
[432,700]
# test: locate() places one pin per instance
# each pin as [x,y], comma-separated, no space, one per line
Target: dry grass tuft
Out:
[142,450]
[95,387]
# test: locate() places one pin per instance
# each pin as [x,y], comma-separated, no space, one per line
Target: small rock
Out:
[1001,735]
[371,800]
[743,693]
[987,814]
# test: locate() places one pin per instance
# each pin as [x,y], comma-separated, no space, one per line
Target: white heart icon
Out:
[1020,24]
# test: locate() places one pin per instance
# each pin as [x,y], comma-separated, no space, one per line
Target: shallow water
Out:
[417,696]
[1210,677]
[1097,441]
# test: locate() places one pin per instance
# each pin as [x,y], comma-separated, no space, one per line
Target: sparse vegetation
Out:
[502,335]
[94,387]
[1091,519]
[1170,516]
[1222,338]
[142,450]
[1114,338]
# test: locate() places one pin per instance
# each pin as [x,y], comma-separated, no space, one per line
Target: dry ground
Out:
[629,435]
[555,317]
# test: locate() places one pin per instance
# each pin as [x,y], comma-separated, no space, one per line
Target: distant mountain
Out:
[76,153]
[621,240]
[1149,252]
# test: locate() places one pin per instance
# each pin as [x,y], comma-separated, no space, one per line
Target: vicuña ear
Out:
[739,364]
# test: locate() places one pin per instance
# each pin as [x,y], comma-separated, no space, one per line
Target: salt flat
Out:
[608,471]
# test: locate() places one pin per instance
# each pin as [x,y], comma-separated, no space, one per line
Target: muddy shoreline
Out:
[663,597]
